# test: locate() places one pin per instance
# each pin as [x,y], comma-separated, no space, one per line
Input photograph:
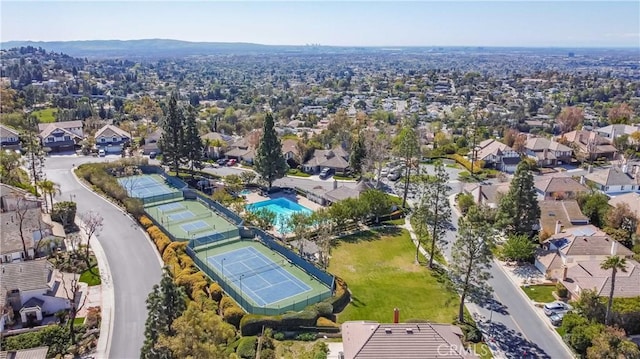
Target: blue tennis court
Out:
[194,226]
[170,207]
[144,186]
[257,276]
[180,215]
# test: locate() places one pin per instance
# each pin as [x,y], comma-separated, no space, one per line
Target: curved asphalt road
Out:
[132,259]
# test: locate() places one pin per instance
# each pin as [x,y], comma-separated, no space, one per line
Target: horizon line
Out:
[340,46]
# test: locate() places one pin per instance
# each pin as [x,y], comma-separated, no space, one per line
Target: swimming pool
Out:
[283,208]
[245,192]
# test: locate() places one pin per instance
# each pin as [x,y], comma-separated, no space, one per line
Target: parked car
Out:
[556,307]
[101,153]
[326,172]
[231,162]
[556,318]
[384,172]
[152,155]
[221,162]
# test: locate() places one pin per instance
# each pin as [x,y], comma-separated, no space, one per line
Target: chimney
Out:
[625,168]
[558,227]
[614,247]
[396,315]
[564,272]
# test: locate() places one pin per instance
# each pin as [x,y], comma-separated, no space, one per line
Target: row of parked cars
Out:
[556,311]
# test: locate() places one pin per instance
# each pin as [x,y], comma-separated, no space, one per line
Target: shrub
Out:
[306,337]
[64,213]
[233,315]
[324,322]
[471,333]
[247,347]
[145,221]
[278,336]
[324,309]
[226,302]
[93,318]
[215,291]
[561,290]
[465,201]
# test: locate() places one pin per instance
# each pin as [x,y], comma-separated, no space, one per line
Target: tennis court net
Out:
[190,219]
[256,271]
[161,197]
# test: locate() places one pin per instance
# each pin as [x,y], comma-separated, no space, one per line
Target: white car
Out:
[556,307]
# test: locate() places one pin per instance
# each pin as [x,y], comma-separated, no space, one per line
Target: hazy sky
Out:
[382,23]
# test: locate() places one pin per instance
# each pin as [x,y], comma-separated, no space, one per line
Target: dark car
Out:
[152,155]
[221,162]
[326,172]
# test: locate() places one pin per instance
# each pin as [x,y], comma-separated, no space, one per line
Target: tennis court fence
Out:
[244,302]
[172,210]
[226,213]
[161,198]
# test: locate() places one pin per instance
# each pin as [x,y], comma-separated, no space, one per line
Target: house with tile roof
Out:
[32,353]
[617,130]
[557,215]
[497,155]
[552,187]
[29,288]
[9,138]
[215,143]
[61,136]
[547,153]
[364,339]
[112,139]
[242,150]
[589,145]
[336,159]
[615,180]
[573,257]
[630,199]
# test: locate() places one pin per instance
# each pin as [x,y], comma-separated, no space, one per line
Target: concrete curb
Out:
[108,301]
[541,316]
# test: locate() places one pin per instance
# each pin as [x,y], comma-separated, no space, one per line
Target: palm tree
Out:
[50,188]
[614,263]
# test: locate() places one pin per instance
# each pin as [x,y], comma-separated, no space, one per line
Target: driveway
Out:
[133,261]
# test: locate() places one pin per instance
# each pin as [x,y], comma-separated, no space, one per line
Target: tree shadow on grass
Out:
[357,302]
[513,344]
[370,235]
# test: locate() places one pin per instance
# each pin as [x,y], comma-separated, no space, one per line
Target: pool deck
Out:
[254,197]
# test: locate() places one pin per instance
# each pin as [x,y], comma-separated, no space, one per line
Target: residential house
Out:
[9,138]
[33,353]
[112,139]
[616,179]
[589,145]
[547,152]
[343,192]
[364,339]
[551,187]
[631,199]
[29,288]
[243,150]
[290,151]
[557,215]
[12,198]
[215,143]
[27,224]
[497,155]
[151,142]
[336,159]
[486,195]
[574,256]
[61,136]
[614,131]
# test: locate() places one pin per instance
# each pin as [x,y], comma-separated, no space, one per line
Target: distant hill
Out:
[150,47]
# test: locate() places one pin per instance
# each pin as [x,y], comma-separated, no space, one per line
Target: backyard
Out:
[380,270]
[45,116]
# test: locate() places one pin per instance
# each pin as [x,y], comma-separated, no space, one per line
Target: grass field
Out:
[45,116]
[540,293]
[380,270]
[91,276]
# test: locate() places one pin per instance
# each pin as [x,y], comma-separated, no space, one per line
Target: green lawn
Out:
[45,116]
[91,276]
[297,173]
[380,270]
[78,321]
[540,293]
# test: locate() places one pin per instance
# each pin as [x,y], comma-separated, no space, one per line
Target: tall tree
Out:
[270,162]
[376,144]
[406,146]
[612,343]
[10,163]
[91,226]
[34,151]
[434,207]
[569,118]
[165,303]
[518,211]
[199,333]
[615,263]
[172,140]
[471,257]
[193,146]
[49,188]
[358,154]
[620,113]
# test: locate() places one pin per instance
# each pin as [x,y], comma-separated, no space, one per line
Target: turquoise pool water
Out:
[245,192]
[283,208]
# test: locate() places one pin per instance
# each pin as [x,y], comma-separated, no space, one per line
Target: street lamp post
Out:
[222,265]
[241,292]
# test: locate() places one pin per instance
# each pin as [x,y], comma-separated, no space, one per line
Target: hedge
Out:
[233,315]
[324,322]
[215,291]
[341,297]
[251,324]
[159,238]
[247,347]
[145,221]
[477,165]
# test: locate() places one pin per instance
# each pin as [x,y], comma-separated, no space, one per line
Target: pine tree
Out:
[434,208]
[165,303]
[406,146]
[519,212]
[471,257]
[193,146]
[358,154]
[269,162]
[172,141]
